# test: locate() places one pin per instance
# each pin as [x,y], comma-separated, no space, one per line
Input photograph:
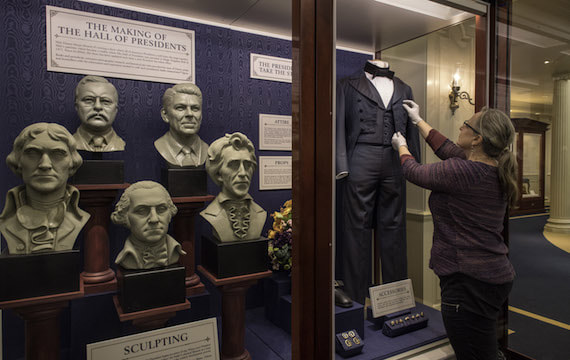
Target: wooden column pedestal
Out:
[233,291]
[184,228]
[97,200]
[42,322]
[150,319]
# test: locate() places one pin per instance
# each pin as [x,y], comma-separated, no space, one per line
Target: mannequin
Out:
[369,111]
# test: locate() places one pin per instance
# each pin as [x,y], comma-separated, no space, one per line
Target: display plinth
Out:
[233,291]
[235,258]
[184,232]
[140,290]
[97,201]
[184,181]
[150,319]
[100,172]
[42,322]
[37,275]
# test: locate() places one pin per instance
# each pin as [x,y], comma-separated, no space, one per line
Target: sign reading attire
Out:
[270,68]
[392,297]
[86,43]
[275,132]
[275,172]
[195,340]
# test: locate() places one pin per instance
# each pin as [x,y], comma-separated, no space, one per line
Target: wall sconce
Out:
[455,93]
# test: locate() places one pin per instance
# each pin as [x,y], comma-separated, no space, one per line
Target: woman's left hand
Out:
[398,140]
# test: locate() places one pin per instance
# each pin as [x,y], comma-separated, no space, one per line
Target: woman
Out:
[471,188]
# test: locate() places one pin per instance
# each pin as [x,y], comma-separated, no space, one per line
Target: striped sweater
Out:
[468,209]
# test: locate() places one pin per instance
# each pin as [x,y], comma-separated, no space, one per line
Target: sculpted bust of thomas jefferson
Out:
[146,209]
[233,214]
[96,103]
[182,110]
[43,214]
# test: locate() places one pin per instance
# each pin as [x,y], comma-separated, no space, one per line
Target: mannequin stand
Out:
[150,319]
[184,229]
[233,291]
[42,322]
[97,200]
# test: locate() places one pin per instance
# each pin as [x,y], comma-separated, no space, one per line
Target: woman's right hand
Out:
[413,110]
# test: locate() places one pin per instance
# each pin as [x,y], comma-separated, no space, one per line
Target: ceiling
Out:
[539,32]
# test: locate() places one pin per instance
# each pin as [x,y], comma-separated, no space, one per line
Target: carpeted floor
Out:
[542,287]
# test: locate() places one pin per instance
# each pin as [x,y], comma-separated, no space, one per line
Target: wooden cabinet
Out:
[529,148]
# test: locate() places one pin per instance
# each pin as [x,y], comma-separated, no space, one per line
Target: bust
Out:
[182,111]
[43,214]
[96,103]
[145,208]
[233,214]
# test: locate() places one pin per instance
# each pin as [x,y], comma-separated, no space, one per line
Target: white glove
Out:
[413,110]
[398,140]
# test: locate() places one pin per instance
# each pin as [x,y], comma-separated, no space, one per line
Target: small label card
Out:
[392,297]
[275,132]
[192,341]
[275,172]
[270,68]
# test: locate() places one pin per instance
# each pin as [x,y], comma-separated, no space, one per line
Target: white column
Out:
[559,220]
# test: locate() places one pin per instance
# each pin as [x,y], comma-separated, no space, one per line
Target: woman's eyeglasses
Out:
[471,127]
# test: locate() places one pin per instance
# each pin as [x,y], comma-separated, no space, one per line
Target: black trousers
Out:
[374,199]
[469,308]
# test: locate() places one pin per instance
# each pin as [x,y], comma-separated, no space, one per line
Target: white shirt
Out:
[384,86]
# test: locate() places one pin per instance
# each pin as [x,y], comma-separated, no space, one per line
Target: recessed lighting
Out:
[536,113]
[547,61]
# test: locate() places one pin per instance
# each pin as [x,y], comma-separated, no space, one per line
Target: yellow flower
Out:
[288,204]
[271,234]
[287,211]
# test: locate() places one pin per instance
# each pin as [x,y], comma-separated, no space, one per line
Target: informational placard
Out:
[192,341]
[392,297]
[275,132]
[275,172]
[270,68]
[85,43]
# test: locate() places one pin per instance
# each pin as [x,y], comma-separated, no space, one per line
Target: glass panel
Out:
[539,46]
[531,174]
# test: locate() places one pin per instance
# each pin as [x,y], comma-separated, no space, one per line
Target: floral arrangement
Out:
[281,238]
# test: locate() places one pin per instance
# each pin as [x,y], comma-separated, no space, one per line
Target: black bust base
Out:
[100,172]
[228,259]
[184,181]
[146,289]
[26,276]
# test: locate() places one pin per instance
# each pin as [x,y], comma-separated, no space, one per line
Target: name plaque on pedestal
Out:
[100,172]
[34,275]
[392,297]
[183,182]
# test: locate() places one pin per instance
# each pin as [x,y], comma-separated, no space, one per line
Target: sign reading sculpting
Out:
[192,341]
[275,172]
[270,68]
[86,43]
[392,297]
[275,132]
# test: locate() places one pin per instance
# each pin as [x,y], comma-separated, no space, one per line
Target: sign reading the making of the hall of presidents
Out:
[270,68]
[392,297]
[85,43]
[192,341]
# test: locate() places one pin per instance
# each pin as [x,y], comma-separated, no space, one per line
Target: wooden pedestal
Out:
[150,319]
[233,291]
[97,200]
[42,322]
[184,228]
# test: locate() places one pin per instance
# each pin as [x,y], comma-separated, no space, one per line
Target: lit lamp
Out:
[455,93]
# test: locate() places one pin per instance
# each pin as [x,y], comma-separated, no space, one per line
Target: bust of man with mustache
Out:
[96,103]
[43,214]
[182,110]
[233,214]
[146,209]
